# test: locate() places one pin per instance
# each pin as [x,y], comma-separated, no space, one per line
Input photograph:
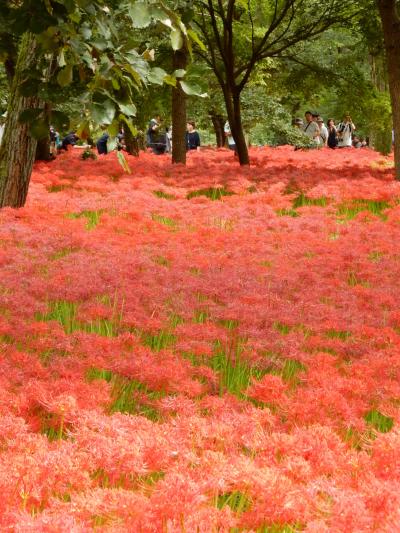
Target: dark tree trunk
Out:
[218,123]
[131,142]
[17,151]
[43,151]
[179,111]
[391,31]
[233,109]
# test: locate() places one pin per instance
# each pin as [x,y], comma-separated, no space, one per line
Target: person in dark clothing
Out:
[192,136]
[69,140]
[102,143]
[332,134]
[156,140]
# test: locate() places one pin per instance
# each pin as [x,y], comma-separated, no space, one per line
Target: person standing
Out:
[323,131]
[192,136]
[310,128]
[332,134]
[345,132]
[229,137]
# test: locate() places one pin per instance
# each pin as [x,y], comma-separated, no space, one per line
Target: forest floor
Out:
[202,349]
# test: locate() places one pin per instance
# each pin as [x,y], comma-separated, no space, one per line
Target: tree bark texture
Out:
[131,142]
[391,31]
[218,123]
[179,111]
[233,109]
[17,151]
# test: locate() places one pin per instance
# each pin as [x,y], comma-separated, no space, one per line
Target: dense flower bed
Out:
[202,349]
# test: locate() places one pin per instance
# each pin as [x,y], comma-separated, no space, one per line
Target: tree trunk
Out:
[218,123]
[17,151]
[43,149]
[131,142]
[233,109]
[179,111]
[391,32]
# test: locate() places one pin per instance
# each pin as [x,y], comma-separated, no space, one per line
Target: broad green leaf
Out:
[176,39]
[60,120]
[192,89]
[65,76]
[140,15]
[179,73]
[170,80]
[134,131]
[111,144]
[103,113]
[156,75]
[39,129]
[128,110]
[29,115]
[83,130]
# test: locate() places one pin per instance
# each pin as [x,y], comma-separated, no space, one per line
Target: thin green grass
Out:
[378,421]
[349,210]
[65,313]
[165,195]
[128,395]
[238,501]
[302,200]
[213,193]
[166,221]
[93,217]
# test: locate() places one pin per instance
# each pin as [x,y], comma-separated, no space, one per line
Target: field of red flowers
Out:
[202,349]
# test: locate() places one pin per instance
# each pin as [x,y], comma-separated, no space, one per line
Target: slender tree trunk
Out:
[43,145]
[218,123]
[391,31]
[179,111]
[233,109]
[17,151]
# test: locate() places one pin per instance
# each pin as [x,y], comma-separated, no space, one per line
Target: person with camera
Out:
[345,132]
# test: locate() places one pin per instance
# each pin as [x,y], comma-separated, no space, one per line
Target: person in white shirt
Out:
[310,127]
[345,132]
[323,131]
[228,135]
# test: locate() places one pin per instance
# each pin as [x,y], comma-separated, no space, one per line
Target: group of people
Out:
[159,138]
[340,136]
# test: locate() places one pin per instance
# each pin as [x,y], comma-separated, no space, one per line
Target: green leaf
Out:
[111,144]
[29,115]
[123,162]
[192,89]
[61,59]
[179,73]
[195,38]
[170,80]
[156,75]
[129,110]
[176,39]
[60,120]
[140,15]
[132,128]
[65,76]
[39,129]
[83,130]
[103,113]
